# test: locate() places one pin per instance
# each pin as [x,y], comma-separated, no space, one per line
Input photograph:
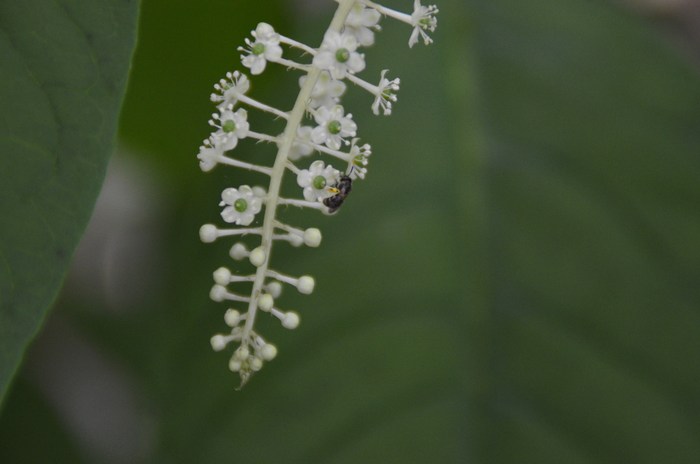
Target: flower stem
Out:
[288,136]
[261,106]
[299,45]
[373,89]
[403,17]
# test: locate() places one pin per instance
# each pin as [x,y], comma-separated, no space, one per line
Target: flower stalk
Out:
[317,123]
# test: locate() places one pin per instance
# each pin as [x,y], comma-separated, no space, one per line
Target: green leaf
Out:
[63,74]
[587,237]
[515,280]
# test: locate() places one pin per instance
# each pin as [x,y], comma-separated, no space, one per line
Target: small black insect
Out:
[341,189]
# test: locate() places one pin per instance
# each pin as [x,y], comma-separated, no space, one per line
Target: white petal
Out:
[319,134]
[370,17]
[332,39]
[245,218]
[338,71]
[264,30]
[365,36]
[309,194]
[356,63]
[333,142]
[414,37]
[248,61]
[348,127]
[335,113]
[208,157]
[317,167]
[258,66]
[304,133]
[330,173]
[322,116]
[304,178]
[243,84]
[206,165]
[230,195]
[336,88]
[324,59]
[348,41]
[229,214]
[273,52]
[228,141]
[242,130]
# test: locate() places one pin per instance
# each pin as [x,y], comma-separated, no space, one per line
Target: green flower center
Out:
[240,205]
[424,23]
[258,49]
[334,127]
[319,182]
[228,126]
[342,55]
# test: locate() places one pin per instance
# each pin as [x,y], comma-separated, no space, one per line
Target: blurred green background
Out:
[517,279]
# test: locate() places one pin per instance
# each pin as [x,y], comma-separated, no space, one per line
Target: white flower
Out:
[326,91]
[242,203]
[386,94]
[302,145]
[360,23]
[337,54]
[266,47]
[229,89]
[333,126]
[231,127]
[358,159]
[210,153]
[317,180]
[423,19]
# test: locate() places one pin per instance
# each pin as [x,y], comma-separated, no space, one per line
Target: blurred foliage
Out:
[515,281]
[62,79]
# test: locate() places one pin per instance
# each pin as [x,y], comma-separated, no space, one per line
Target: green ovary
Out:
[334,127]
[228,126]
[240,205]
[258,49]
[319,182]
[342,55]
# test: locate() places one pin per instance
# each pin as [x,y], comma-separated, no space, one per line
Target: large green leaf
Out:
[515,280]
[589,170]
[63,74]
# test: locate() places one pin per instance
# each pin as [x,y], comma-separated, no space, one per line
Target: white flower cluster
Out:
[317,123]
